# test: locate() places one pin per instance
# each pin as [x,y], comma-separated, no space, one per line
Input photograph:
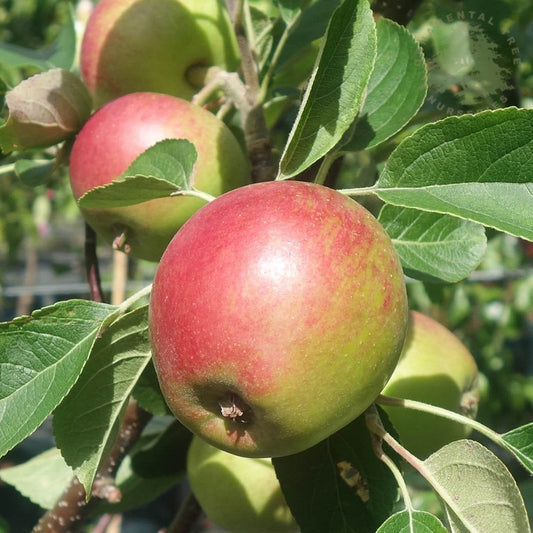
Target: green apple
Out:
[239,494]
[277,315]
[154,46]
[124,128]
[436,368]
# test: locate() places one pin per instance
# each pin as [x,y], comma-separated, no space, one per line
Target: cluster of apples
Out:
[279,311]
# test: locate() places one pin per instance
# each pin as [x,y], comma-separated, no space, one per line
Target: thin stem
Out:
[195,193]
[128,302]
[325,166]
[360,191]
[275,58]
[439,411]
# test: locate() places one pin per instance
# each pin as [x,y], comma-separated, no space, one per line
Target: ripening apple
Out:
[119,132]
[238,494]
[154,46]
[435,367]
[278,313]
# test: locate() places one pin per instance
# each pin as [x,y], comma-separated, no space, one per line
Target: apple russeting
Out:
[277,315]
[238,494]
[119,132]
[154,46]
[435,367]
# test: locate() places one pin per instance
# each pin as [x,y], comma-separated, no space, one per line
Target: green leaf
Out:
[164,168]
[339,485]
[156,463]
[434,247]
[34,172]
[60,54]
[336,89]
[41,358]
[42,479]
[477,167]
[148,393]
[494,506]
[519,441]
[312,26]
[289,9]
[45,109]
[86,422]
[412,522]
[396,90]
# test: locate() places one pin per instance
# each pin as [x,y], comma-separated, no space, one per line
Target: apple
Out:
[278,313]
[119,132]
[435,367]
[238,494]
[154,45]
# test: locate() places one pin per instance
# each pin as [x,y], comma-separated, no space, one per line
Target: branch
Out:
[91,265]
[254,124]
[187,516]
[72,508]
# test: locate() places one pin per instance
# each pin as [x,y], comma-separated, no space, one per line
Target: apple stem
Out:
[372,418]
[445,413]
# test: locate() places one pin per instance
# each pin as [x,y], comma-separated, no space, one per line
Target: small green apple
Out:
[239,494]
[119,132]
[153,46]
[277,315]
[436,368]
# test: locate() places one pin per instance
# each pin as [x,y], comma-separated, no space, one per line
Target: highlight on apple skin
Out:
[277,314]
[119,132]
[154,46]
[238,494]
[435,367]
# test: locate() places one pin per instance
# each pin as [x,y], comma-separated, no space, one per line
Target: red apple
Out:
[435,367]
[124,128]
[154,45]
[278,313]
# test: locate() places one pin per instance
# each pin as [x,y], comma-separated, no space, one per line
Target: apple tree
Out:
[294,170]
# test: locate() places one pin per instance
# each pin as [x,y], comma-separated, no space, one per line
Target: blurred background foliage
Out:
[492,311]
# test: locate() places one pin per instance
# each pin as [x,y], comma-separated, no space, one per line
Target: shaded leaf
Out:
[397,87]
[336,89]
[156,463]
[412,522]
[34,172]
[477,167]
[339,485]
[494,506]
[519,441]
[45,109]
[87,421]
[41,358]
[164,168]
[434,247]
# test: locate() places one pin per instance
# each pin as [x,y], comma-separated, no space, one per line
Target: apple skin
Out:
[119,132]
[436,368]
[153,45]
[239,494]
[278,313]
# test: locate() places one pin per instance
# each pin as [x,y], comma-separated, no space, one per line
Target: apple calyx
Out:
[120,243]
[234,408]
